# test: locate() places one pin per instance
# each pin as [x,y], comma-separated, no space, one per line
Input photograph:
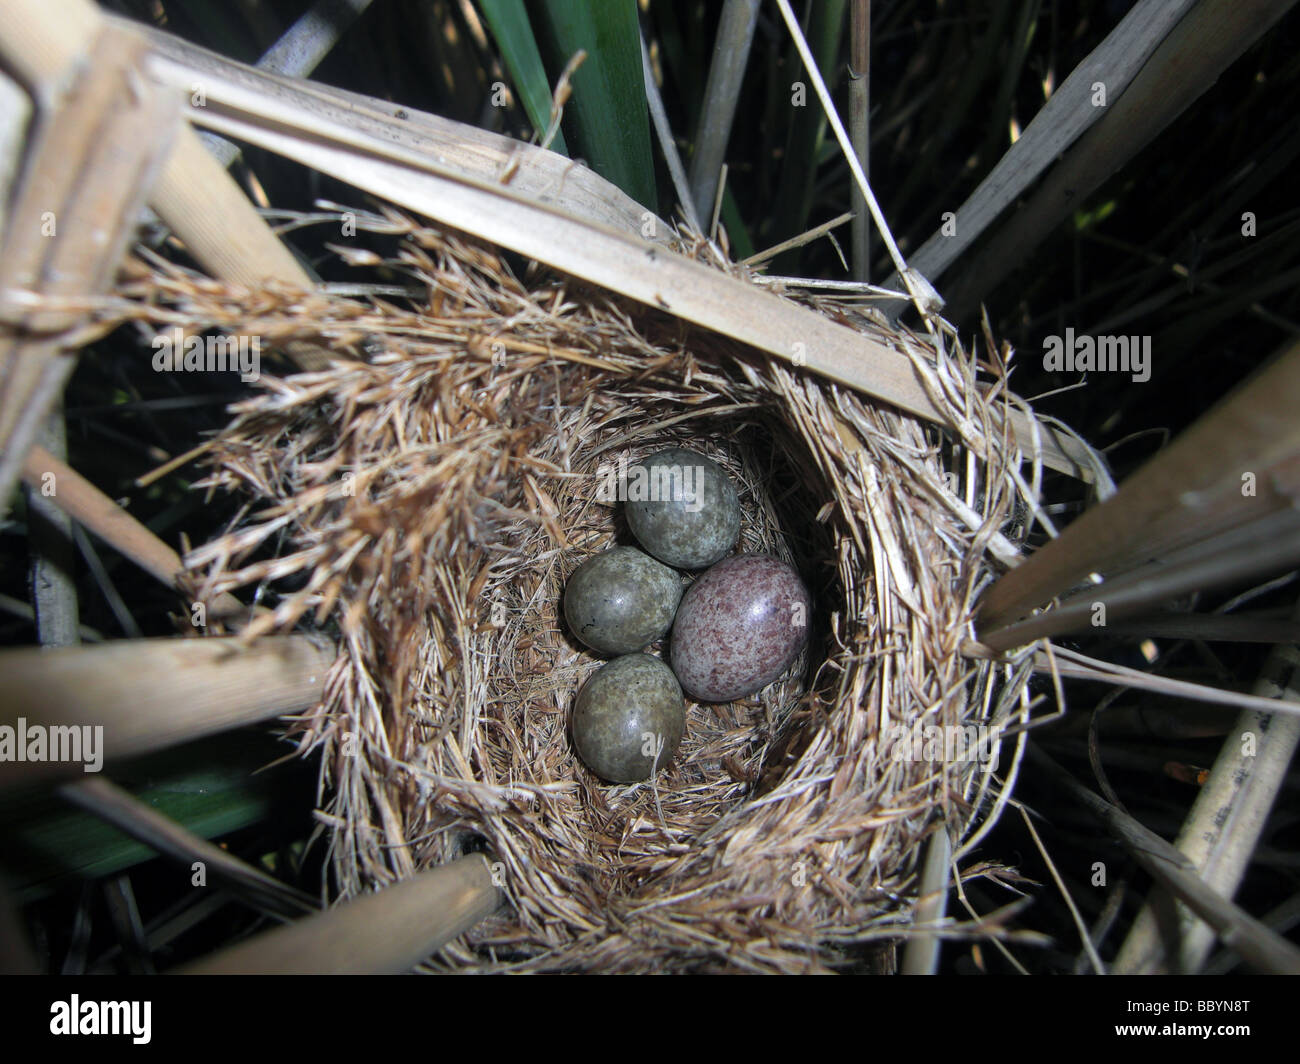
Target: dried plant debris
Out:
[426,499]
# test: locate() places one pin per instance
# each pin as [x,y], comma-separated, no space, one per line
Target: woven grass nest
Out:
[425,502]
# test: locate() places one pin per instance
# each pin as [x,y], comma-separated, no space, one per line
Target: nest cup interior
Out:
[620,840]
[727,751]
[437,494]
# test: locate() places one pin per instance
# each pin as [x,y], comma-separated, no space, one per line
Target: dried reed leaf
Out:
[329,140]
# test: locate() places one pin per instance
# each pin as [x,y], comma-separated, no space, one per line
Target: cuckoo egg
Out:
[739,627]
[621,600]
[629,718]
[682,508]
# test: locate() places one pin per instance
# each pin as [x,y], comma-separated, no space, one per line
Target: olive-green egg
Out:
[682,508]
[629,718]
[621,600]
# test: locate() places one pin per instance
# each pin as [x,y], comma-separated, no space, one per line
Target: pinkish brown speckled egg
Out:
[739,627]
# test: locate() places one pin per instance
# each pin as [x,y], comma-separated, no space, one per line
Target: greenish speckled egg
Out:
[682,508]
[621,600]
[629,718]
[739,627]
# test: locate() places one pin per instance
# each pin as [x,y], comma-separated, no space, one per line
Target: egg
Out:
[682,508]
[739,627]
[629,718]
[621,600]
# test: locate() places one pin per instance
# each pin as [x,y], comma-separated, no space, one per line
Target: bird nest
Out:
[426,499]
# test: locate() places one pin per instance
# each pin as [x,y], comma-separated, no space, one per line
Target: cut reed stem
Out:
[387,932]
[142,695]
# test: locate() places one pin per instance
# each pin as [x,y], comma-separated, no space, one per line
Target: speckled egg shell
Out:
[739,627]
[621,600]
[629,718]
[689,520]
